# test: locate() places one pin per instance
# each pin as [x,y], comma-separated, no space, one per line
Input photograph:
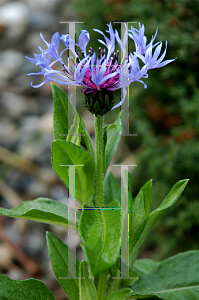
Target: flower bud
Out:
[100,102]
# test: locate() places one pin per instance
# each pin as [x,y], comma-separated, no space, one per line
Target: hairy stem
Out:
[99,175]
[101,286]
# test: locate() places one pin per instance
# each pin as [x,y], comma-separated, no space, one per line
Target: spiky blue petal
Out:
[97,72]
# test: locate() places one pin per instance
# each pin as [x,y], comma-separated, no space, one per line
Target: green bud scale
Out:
[99,103]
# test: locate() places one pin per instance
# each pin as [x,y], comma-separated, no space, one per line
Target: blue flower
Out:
[140,39]
[122,44]
[84,38]
[110,44]
[69,43]
[102,71]
[151,60]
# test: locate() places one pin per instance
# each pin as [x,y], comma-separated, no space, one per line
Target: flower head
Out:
[102,73]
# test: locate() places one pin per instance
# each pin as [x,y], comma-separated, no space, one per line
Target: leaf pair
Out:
[65,154]
[175,278]
[23,289]
[81,287]
[72,146]
[77,287]
[166,280]
[142,220]
[99,230]
[112,136]
[43,210]
[67,123]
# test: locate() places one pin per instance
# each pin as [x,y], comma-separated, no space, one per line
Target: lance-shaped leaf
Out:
[175,278]
[67,123]
[66,153]
[66,275]
[23,289]
[99,230]
[63,114]
[86,141]
[42,210]
[153,217]
[122,294]
[140,207]
[138,213]
[145,265]
[79,135]
[87,289]
[147,195]
[74,134]
[131,277]
[112,189]
[135,239]
[112,135]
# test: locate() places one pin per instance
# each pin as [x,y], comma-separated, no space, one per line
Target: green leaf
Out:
[67,123]
[86,139]
[42,210]
[74,134]
[128,281]
[78,135]
[114,284]
[23,289]
[138,213]
[140,207]
[153,217]
[175,278]
[122,294]
[112,189]
[147,195]
[100,233]
[87,287]
[112,137]
[144,266]
[135,239]
[173,195]
[113,281]
[58,253]
[63,112]
[66,153]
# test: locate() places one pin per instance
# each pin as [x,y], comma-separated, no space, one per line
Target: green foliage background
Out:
[165,115]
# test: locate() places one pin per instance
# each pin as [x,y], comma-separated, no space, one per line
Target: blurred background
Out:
[165,116]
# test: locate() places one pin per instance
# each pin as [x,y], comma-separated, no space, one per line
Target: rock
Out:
[40,20]
[37,189]
[14,17]
[6,255]
[34,241]
[14,105]
[30,124]
[59,193]
[9,133]
[15,274]
[46,122]
[11,61]
[47,5]
[31,43]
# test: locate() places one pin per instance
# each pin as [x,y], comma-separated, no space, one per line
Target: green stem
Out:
[99,175]
[113,283]
[101,286]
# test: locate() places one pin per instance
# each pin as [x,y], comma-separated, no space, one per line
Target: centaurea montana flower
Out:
[100,74]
